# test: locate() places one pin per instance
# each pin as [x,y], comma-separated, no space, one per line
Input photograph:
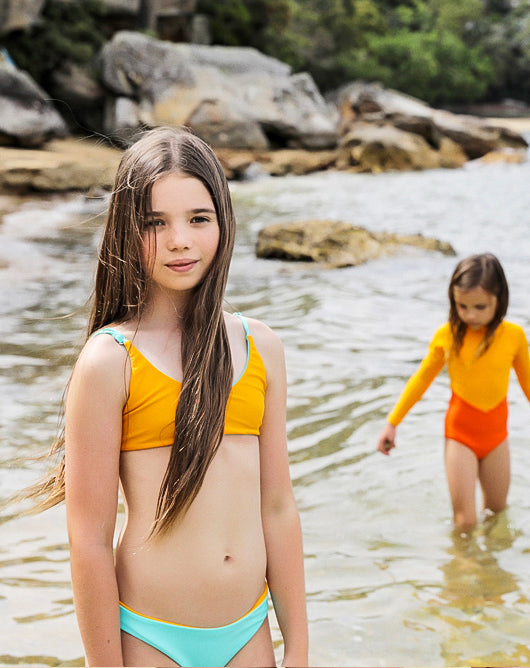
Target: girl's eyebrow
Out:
[203,210]
[195,211]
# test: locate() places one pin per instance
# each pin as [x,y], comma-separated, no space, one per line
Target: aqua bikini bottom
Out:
[196,646]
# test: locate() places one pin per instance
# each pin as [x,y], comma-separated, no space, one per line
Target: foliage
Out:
[443,51]
[434,66]
[508,43]
[68,31]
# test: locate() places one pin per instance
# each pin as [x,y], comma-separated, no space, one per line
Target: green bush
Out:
[68,31]
[436,66]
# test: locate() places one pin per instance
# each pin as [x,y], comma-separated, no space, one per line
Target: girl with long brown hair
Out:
[480,348]
[182,406]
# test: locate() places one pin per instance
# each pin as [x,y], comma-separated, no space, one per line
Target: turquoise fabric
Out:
[193,646]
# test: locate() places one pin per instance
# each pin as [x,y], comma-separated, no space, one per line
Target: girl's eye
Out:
[154,222]
[200,219]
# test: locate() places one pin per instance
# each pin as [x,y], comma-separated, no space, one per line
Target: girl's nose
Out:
[179,237]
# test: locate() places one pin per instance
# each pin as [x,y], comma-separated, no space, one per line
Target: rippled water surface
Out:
[388,582]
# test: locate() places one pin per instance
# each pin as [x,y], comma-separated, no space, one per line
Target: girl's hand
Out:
[387,440]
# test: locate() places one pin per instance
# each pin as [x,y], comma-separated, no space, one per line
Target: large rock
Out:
[27,117]
[82,96]
[374,147]
[372,103]
[336,244]
[231,96]
[19,14]
[250,164]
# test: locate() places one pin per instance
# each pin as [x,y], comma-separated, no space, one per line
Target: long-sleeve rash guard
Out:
[479,379]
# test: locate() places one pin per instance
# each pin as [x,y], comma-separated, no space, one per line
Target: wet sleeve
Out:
[420,381]
[521,364]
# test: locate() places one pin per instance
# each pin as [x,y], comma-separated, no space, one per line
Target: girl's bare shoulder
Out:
[262,334]
[268,344]
[103,354]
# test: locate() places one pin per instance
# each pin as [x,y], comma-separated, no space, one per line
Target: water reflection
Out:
[477,605]
[473,577]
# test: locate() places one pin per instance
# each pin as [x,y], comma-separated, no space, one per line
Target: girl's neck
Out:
[164,310]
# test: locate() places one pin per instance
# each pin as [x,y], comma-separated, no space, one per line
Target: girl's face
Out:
[475,307]
[182,233]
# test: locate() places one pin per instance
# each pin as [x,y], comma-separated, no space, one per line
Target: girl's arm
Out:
[418,383]
[281,522]
[521,365]
[94,404]
[387,439]
[415,388]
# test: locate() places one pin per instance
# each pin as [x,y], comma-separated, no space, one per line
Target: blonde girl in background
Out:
[479,348]
[182,405]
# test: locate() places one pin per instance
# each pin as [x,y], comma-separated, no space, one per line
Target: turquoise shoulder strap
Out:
[243,322]
[117,336]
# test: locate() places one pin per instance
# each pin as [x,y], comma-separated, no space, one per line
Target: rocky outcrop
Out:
[372,147]
[361,104]
[336,244]
[27,116]
[17,15]
[231,96]
[258,116]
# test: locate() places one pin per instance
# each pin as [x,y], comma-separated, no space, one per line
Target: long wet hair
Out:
[478,271]
[120,293]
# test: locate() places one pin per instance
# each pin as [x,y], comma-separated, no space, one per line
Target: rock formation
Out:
[27,116]
[230,96]
[335,243]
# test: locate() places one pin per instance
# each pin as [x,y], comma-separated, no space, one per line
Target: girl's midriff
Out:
[209,568]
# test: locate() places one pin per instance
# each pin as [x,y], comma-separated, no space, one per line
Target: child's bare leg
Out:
[494,476]
[461,466]
[258,651]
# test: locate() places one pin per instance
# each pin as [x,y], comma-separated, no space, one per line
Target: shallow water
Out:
[388,581]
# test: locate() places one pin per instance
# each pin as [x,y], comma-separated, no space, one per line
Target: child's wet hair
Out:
[478,271]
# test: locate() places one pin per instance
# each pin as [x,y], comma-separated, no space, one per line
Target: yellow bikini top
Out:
[149,414]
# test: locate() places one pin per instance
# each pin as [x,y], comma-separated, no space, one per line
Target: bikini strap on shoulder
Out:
[117,336]
[243,322]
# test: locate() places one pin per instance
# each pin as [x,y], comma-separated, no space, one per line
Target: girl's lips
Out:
[181,265]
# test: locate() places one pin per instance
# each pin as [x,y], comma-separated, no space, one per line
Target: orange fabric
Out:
[149,414]
[480,380]
[482,431]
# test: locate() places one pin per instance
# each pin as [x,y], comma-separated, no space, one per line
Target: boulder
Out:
[336,244]
[477,136]
[62,165]
[378,147]
[233,97]
[372,103]
[247,164]
[82,96]
[27,117]
[17,15]
[507,156]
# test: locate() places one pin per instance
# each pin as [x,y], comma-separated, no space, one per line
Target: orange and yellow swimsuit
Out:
[478,412]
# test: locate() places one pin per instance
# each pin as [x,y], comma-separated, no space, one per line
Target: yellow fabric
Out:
[149,414]
[482,380]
